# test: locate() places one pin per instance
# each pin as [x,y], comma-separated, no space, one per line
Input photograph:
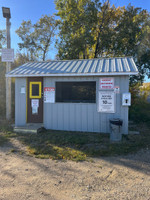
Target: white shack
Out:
[73,95]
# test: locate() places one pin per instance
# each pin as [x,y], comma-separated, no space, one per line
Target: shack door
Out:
[35,100]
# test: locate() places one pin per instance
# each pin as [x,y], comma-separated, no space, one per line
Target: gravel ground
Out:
[23,177]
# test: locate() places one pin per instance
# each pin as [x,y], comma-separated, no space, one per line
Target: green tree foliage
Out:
[131,33]
[2,38]
[78,17]
[91,29]
[140,106]
[20,59]
[37,38]
[145,91]
[104,33]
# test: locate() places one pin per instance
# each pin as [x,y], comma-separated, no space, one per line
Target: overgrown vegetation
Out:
[140,107]
[3,139]
[77,146]
[6,132]
[80,146]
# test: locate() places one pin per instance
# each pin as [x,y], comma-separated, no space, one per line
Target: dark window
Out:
[76,92]
[35,90]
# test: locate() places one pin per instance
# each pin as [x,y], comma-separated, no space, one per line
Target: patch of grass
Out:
[6,131]
[5,126]
[3,139]
[79,146]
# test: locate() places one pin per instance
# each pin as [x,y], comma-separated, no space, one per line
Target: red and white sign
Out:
[49,94]
[117,89]
[49,89]
[106,83]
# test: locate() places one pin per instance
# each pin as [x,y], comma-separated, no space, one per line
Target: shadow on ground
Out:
[59,145]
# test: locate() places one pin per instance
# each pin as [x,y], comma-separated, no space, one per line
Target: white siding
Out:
[84,116]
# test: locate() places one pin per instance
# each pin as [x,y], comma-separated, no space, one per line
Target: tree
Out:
[37,38]
[78,17]
[132,33]
[94,29]
[20,59]
[104,32]
[143,51]
[2,38]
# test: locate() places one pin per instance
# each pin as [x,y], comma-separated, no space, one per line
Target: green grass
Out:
[3,139]
[80,146]
[6,131]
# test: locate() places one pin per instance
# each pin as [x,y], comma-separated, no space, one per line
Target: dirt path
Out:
[23,177]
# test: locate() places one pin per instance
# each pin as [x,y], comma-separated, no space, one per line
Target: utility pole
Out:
[6,14]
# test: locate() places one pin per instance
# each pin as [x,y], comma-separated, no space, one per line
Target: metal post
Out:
[8,80]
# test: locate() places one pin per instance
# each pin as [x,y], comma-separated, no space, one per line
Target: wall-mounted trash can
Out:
[115,129]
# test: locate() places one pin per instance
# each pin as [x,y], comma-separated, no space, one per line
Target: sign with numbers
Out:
[106,102]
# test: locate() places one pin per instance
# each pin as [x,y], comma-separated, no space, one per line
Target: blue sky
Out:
[26,10]
[34,9]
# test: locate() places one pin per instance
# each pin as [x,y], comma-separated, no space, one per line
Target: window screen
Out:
[35,90]
[76,92]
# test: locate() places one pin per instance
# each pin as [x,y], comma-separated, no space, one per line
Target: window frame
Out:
[76,82]
[40,92]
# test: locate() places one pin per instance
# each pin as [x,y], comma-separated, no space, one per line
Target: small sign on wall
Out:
[106,102]
[126,99]
[106,83]
[23,90]
[117,89]
[35,105]
[49,95]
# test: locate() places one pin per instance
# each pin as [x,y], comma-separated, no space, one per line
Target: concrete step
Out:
[29,128]
[25,130]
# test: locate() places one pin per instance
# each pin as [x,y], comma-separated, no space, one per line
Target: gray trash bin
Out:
[115,129]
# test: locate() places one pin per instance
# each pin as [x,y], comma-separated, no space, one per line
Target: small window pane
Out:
[35,90]
[76,92]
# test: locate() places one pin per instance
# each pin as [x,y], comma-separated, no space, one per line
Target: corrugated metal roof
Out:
[90,67]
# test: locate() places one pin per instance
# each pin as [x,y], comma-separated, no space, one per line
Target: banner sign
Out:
[106,83]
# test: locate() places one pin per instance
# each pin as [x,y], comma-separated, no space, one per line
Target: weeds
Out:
[3,139]
[83,146]
[77,146]
[6,132]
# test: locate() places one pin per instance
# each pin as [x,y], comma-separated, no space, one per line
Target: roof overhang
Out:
[74,74]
